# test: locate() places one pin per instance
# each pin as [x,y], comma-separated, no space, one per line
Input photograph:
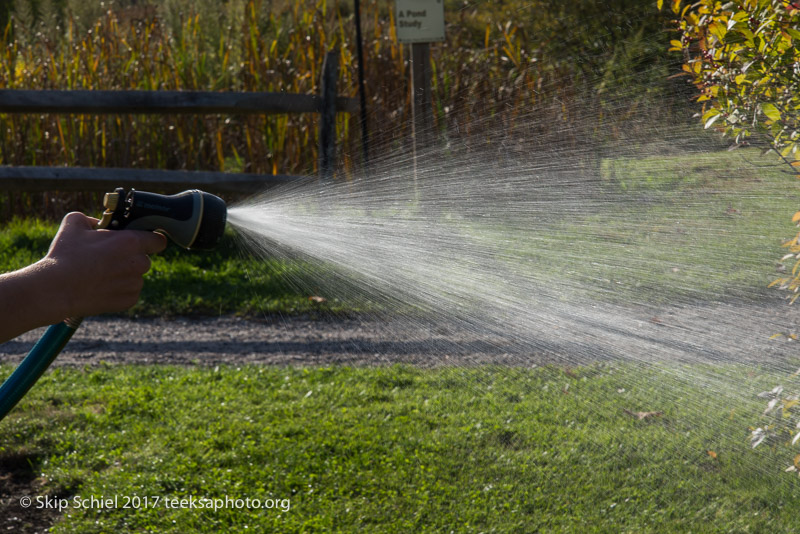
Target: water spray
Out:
[192,219]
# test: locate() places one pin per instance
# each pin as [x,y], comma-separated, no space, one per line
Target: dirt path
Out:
[734,331]
[232,340]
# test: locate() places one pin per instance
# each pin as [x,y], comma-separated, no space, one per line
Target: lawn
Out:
[677,229]
[401,449]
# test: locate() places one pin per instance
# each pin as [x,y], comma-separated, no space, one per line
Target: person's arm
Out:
[86,272]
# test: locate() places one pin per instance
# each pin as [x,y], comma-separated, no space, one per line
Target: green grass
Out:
[180,282]
[667,229]
[705,225]
[402,449]
[469,450]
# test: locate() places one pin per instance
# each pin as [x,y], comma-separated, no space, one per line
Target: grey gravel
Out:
[710,332]
[234,340]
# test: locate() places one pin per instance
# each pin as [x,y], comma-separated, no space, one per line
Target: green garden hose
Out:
[35,363]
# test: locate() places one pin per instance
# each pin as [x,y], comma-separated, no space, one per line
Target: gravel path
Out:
[734,331]
[232,340]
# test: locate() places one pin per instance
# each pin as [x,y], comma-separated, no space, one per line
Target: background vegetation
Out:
[577,72]
[744,59]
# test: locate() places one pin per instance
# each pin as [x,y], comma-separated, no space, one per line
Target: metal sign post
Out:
[419,23]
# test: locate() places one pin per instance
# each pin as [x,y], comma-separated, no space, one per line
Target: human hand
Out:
[97,271]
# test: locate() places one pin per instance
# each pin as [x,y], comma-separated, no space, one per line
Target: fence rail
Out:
[28,178]
[153,102]
[35,179]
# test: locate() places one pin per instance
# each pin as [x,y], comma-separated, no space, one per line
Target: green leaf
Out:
[771,112]
[718,30]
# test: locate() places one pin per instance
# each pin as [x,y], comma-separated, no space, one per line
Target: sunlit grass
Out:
[404,449]
[666,229]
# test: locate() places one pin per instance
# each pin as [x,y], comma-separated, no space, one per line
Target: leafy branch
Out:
[744,58]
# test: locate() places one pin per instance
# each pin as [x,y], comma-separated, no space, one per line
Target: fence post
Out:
[421,107]
[327,115]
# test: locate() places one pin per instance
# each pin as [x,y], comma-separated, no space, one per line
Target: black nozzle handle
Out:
[192,219]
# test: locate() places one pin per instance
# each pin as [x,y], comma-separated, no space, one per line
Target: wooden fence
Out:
[327,104]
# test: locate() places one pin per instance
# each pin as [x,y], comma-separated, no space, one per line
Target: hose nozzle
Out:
[193,219]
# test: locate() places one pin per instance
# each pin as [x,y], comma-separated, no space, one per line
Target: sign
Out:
[419,21]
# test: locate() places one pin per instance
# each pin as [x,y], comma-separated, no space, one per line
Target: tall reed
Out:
[492,73]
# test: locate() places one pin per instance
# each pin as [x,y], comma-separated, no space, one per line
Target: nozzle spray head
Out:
[192,219]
